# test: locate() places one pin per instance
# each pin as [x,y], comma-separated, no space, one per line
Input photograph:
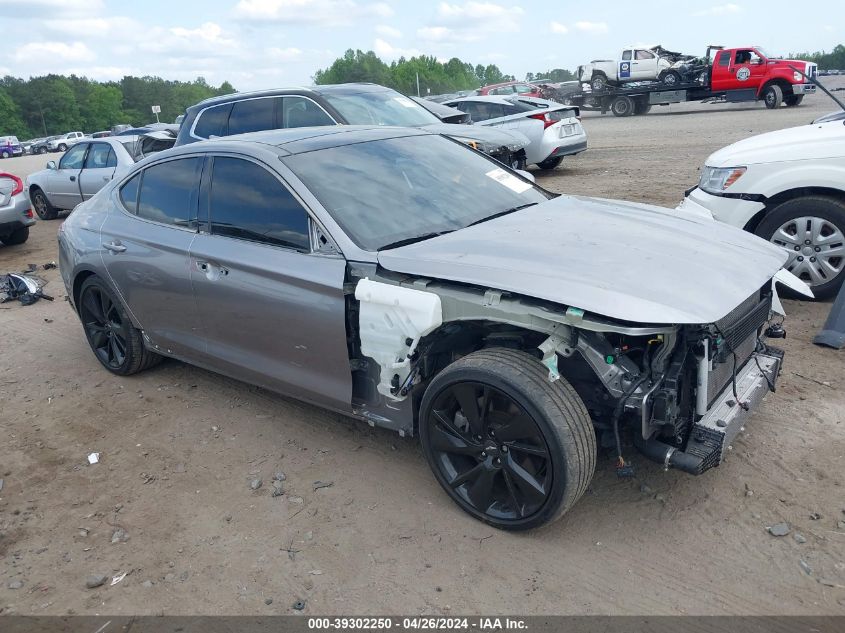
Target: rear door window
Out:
[252,115]
[302,112]
[481,111]
[248,202]
[168,192]
[724,58]
[100,155]
[213,122]
[626,56]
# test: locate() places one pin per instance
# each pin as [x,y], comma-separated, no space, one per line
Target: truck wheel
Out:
[622,106]
[62,147]
[598,82]
[671,78]
[510,447]
[812,230]
[793,100]
[773,97]
[641,107]
[16,237]
[42,206]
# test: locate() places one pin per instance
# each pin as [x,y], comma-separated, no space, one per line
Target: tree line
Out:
[435,77]
[54,104]
[834,60]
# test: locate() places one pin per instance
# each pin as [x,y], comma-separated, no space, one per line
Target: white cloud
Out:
[322,12]
[53,53]
[720,9]
[386,50]
[557,27]
[435,33]
[470,22]
[388,31]
[208,39]
[593,28]
[284,54]
[86,28]
[53,8]
[477,11]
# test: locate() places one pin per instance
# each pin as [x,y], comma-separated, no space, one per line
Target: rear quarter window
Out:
[168,192]
[129,194]
[213,121]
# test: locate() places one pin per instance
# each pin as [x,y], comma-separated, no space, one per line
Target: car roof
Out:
[308,139]
[503,99]
[350,88]
[506,83]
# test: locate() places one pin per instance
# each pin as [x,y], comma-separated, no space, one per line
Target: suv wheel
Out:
[598,82]
[42,206]
[671,78]
[510,447]
[5,154]
[812,230]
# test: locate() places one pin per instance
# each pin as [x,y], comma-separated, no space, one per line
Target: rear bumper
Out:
[568,150]
[15,215]
[711,437]
[803,89]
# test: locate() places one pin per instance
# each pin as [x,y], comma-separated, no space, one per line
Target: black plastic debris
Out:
[22,287]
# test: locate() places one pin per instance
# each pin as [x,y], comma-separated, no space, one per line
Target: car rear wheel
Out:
[5,154]
[62,147]
[510,447]
[16,237]
[793,100]
[812,230]
[598,82]
[773,97]
[116,343]
[550,163]
[42,206]
[42,150]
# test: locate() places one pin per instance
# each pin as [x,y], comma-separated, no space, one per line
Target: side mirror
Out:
[51,164]
[525,174]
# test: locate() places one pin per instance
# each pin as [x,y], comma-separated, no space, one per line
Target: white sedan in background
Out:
[554,130]
[86,168]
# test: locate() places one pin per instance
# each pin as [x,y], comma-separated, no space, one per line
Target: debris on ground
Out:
[268,601]
[93,458]
[299,605]
[815,516]
[779,529]
[800,538]
[255,484]
[118,578]
[15,584]
[22,287]
[49,265]
[806,567]
[748,491]
[147,584]
[279,476]
[119,536]
[322,484]
[277,488]
[95,580]
[646,489]
[1,485]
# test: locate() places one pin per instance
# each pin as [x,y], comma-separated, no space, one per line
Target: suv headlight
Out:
[717,179]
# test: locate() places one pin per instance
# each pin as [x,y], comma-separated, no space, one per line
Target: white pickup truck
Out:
[633,64]
[62,142]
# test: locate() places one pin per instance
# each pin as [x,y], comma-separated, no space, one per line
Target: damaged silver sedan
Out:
[406,280]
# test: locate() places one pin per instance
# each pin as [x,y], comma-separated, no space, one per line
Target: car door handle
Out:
[73,178]
[212,271]
[114,247]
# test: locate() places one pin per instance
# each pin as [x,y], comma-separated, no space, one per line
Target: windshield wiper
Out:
[413,240]
[501,213]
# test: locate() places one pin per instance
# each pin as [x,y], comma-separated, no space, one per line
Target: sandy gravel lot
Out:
[180,446]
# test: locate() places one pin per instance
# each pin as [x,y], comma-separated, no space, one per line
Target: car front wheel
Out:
[510,447]
[812,231]
[5,154]
[116,343]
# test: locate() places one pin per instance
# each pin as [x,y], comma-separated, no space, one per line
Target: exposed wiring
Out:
[620,407]
[743,405]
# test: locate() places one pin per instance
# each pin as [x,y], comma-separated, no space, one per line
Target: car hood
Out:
[814,141]
[622,260]
[494,138]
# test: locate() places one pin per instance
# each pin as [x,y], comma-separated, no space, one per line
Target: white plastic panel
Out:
[389,316]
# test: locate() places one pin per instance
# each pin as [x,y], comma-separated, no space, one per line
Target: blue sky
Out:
[271,43]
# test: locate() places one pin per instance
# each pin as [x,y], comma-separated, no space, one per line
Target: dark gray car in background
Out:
[342,104]
[403,279]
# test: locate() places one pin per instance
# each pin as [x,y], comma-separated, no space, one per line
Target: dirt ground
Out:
[179,447]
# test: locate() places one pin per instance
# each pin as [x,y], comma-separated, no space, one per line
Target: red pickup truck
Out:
[724,74]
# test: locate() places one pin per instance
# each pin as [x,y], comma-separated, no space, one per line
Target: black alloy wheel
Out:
[105,326]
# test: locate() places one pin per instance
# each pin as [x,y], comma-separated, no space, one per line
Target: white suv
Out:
[788,187]
[61,143]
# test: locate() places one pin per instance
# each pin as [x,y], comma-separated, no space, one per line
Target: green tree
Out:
[10,118]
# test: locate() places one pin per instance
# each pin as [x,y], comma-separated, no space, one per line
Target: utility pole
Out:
[418,85]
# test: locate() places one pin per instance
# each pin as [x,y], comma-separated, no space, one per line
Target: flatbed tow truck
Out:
[732,75]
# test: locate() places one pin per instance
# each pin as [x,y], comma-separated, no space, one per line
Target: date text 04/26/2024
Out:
[418,623]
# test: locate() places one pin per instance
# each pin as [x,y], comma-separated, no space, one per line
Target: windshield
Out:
[764,53]
[387,191]
[380,108]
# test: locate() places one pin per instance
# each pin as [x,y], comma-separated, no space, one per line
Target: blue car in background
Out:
[10,146]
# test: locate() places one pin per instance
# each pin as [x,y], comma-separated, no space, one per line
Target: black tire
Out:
[116,343]
[641,107]
[5,154]
[42,150]
[14,238]
[671,78]
[793,100]
[598,81]
[42,206]
[550,163]
[773,97]
[830,213]
[565,448]
[622,106]
[62,147]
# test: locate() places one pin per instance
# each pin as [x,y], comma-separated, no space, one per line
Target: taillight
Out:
[18,183]
[28,214]
[545,118]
